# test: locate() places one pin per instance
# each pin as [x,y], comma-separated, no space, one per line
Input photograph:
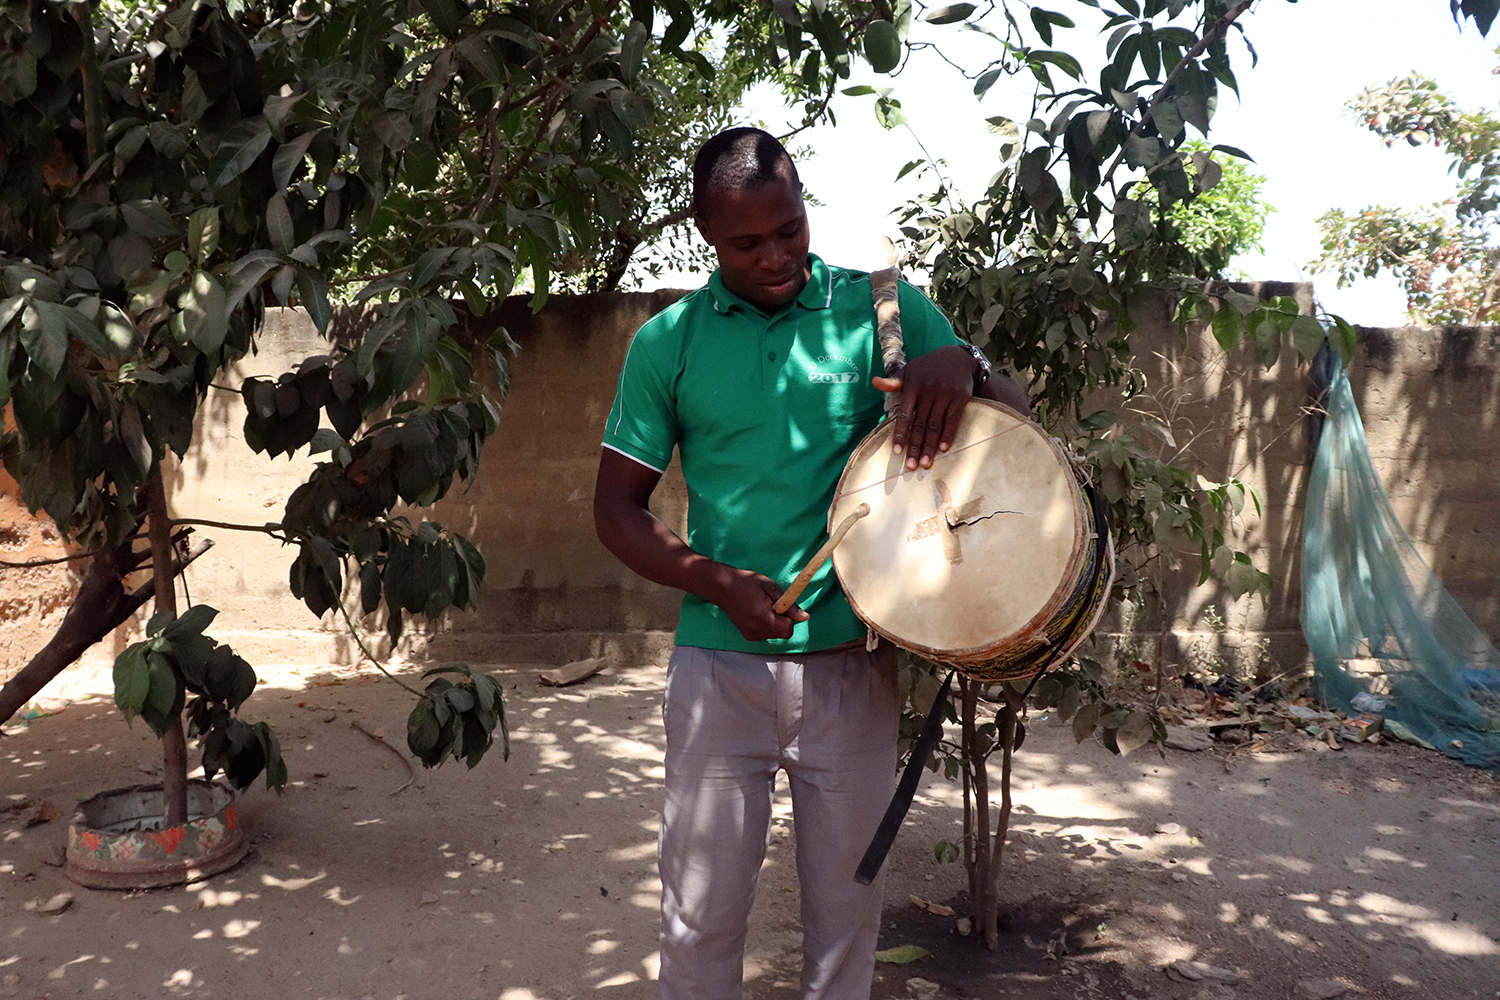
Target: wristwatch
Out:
[982,375]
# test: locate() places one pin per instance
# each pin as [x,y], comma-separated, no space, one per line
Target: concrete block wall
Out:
[553,594]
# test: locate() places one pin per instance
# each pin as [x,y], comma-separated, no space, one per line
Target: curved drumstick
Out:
[789,596]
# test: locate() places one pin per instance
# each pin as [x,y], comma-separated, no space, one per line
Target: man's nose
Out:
[772,257]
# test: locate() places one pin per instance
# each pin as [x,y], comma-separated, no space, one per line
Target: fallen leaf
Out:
[935,908]
[52,906]
[1185,971]
[902,954]
[42,812]
[572,673]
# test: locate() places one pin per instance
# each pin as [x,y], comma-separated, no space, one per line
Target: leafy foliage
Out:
[153,678]
[1482,11]
[1445,256]
[168,172]
[1201,237]
[457,720]
[1080,225]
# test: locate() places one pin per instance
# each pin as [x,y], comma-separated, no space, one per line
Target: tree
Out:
[1199,238]
[1088,212]
[1445,256]
[168,172]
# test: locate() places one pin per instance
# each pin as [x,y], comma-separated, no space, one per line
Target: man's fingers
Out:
[946,432]
[920,436]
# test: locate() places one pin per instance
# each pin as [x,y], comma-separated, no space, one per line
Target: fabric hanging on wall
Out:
[1377,619]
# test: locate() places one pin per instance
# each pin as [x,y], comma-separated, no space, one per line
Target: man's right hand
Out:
[747,598]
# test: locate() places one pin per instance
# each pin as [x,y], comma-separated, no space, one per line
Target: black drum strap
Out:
[906,788]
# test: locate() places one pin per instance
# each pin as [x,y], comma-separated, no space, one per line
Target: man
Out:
[762,381]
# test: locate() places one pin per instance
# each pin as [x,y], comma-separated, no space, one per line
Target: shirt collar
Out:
[817,294]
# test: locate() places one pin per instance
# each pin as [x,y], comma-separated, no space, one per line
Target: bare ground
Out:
[1371,870]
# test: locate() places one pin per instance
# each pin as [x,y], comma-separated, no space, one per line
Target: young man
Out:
[763,381]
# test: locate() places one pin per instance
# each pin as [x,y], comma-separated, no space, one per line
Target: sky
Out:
[1314,56]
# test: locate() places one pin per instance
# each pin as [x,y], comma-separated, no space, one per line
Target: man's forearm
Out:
[651,549]
[1003,389]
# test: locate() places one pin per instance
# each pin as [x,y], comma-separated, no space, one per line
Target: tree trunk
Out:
[1007,738]
[100,607]
[984,850]
[984,877]
[173,741]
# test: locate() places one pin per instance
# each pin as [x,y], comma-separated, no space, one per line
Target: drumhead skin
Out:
[978,552]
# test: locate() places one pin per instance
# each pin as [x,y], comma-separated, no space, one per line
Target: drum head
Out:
[956,561]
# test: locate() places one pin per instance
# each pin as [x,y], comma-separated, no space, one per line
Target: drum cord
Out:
[946,454]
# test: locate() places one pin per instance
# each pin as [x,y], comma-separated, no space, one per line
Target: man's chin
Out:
[775,296]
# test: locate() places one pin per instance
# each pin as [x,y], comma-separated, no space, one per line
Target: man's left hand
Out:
[934,389]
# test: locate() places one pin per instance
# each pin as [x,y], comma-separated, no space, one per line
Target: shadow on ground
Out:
[534,879]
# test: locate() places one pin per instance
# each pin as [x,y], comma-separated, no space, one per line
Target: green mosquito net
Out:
[1383,631]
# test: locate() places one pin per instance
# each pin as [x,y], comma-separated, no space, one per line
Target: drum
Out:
[996,561]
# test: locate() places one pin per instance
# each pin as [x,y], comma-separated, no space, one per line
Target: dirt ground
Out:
[1366,872]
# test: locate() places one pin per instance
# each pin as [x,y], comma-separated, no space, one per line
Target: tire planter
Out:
[117,841]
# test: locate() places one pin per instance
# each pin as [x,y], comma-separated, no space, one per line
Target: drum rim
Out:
[977,655]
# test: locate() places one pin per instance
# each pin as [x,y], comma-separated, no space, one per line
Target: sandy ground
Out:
[1371,871]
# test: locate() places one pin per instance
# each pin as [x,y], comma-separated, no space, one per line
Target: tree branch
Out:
[274,530]
[101,606]
[1209,37]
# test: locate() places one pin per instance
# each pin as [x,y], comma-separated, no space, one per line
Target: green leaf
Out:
[888,113]
[44,334]
[423,731]
[1061,60]
[1241,579]
[242,144]
[1308,336]
[949,14]
[447,15]
[133,434]
[279,224]
[1098,420]
[204,309]
[394,129]
[312,292]
[17,76]
[192,621]
[1228,327]
[1085,721]
[1348,338]
[148,219]
[165,698]
[132,680]
[289,156]
[1267,336]
[1234,151]
[904,954]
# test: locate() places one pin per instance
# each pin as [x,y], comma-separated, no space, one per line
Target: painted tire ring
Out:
[101,858]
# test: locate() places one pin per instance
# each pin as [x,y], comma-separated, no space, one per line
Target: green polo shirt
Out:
[764,411]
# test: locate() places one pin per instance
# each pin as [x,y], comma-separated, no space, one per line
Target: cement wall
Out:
[553,594]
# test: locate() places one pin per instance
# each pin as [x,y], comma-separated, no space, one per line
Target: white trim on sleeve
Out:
[637,461]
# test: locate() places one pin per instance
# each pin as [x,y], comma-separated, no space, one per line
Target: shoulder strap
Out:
[884,290]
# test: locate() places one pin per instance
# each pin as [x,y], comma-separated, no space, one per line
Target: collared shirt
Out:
[764,410]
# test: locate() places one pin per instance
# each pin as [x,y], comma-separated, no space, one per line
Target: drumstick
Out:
[790,595]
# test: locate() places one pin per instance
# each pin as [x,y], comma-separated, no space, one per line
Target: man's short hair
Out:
[738,159]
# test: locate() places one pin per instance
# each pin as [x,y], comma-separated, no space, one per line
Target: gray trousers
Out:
[733,720]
